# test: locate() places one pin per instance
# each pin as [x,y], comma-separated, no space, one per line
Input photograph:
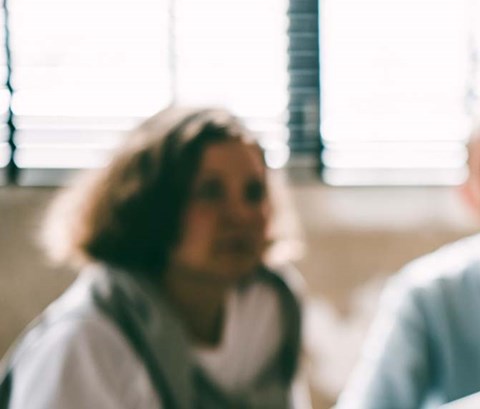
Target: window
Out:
[83,72]
[398,90]
[234,53]
[394,82]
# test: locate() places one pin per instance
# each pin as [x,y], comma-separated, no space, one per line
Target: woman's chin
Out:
[222,270]
[237,269]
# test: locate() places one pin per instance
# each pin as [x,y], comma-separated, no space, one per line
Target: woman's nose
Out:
[239,211]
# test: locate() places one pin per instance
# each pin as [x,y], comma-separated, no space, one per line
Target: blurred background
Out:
[365,105]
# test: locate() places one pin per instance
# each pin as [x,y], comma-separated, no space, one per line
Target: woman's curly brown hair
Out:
[129,213]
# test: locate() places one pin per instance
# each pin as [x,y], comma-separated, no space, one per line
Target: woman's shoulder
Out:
[70,334]
[284,281]
[70,357]
[72,349]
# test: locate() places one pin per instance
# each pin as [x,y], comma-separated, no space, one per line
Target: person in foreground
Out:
[424,347]
[174,306]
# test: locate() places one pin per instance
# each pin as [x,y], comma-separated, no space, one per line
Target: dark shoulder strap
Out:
[5,389]
[112,308]
[292,319]
[7,366]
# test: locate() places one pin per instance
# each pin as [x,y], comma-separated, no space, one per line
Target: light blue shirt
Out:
[424,345]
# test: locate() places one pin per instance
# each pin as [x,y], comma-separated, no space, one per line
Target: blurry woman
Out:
[174,307]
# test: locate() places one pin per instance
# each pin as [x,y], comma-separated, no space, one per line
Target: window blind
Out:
[84,72]
[304,82]
[234,53]
[395,90]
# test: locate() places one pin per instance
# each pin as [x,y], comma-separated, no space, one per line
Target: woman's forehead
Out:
[232,155]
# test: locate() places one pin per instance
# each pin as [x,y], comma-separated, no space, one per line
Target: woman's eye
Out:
[210,191]
[255,191]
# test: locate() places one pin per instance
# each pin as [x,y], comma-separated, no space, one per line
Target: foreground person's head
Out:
[188,189]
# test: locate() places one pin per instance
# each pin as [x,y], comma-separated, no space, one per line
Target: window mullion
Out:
[12,169]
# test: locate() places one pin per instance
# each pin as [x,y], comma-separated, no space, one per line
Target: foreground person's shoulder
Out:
[78,362]
[287,276]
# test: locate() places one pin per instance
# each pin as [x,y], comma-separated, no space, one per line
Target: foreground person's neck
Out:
[199,304]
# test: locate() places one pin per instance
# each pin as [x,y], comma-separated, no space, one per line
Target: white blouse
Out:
[88,363]
[251,336]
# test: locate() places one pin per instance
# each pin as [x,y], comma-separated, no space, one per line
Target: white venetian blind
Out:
[83,72]
[396,78]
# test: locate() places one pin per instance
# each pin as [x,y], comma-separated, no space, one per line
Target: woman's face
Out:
[223,235]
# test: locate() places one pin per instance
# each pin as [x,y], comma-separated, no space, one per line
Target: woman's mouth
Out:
[236,246]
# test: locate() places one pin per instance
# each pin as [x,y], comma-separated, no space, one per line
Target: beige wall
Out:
[355,238]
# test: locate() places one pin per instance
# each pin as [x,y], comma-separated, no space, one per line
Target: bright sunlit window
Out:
[397,90]
[234,53]
[83,72]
